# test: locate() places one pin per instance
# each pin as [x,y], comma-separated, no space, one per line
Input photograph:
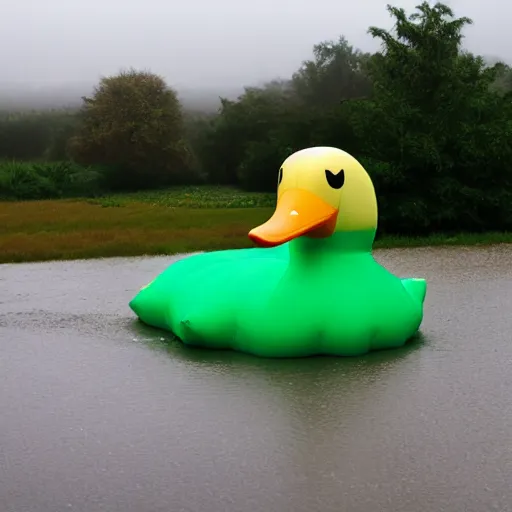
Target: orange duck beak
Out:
[298,212]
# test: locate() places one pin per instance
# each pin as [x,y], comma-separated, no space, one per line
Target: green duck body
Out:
[303,298]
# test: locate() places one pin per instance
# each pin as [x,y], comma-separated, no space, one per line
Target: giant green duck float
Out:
[312,287]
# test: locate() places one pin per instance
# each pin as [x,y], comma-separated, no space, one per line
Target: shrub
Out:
[25,180]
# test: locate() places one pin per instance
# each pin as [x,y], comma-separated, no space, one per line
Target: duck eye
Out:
[279,176]
[335,181]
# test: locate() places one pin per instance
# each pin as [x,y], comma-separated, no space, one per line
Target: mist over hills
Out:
[16,97]
[21,97]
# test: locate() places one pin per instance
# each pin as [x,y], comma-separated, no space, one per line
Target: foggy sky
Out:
[201,43]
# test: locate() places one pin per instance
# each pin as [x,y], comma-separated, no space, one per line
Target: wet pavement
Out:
[99,413]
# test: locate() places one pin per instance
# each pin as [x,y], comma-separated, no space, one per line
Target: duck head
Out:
[322,191]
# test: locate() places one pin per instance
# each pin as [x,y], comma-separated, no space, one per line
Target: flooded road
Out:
[99,413]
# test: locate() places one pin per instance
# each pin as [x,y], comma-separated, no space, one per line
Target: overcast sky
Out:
[201,42]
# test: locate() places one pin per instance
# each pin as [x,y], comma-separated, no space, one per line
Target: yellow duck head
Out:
[321,191]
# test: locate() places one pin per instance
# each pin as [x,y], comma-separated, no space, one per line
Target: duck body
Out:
[295,295]
[277,302]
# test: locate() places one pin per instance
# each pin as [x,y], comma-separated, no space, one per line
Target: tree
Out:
[133,124]
[337,73]
[436,118]
[417,80]
[245,124]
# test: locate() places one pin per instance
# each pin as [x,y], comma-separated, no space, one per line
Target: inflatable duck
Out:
[312,287]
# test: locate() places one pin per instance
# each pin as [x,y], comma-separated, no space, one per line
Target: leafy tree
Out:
[134,124]
[337,73]
[432,114]
[265,124]
[240,125]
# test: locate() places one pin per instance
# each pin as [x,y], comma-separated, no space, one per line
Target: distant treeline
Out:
[431,123]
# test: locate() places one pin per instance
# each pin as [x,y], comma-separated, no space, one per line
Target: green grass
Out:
[156,223]
[192,197]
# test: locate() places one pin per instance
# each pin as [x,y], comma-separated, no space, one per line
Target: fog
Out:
[60,48]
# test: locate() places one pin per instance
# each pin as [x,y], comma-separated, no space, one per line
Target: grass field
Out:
[155,223]
[193,197]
